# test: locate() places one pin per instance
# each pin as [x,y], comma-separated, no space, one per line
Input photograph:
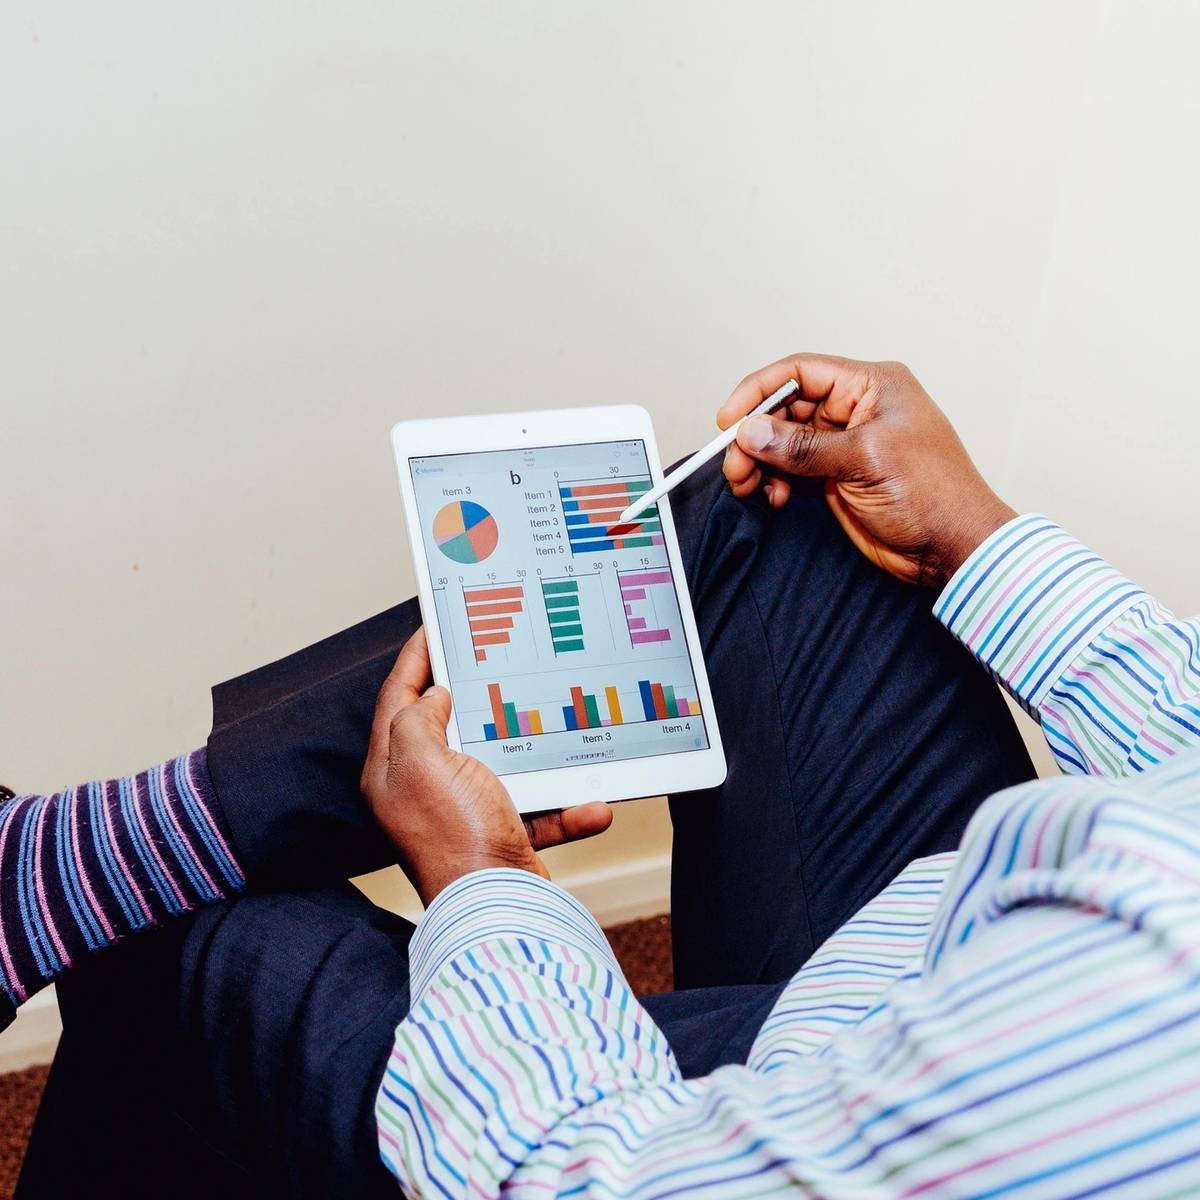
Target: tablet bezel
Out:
[562,787]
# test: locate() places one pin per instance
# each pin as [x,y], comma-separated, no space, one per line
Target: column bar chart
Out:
[507,721]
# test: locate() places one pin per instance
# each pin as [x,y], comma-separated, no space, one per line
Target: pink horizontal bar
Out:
[629,610]
[637,622]
[650,635]
[632,593]
[645,578]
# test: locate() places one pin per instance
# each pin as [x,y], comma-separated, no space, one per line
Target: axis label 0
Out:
[465,531]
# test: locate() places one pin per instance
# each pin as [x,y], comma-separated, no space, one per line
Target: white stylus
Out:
[693,464]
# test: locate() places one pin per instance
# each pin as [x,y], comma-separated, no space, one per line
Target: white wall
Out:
[239,240]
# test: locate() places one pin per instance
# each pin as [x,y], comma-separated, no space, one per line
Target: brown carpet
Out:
[643,949]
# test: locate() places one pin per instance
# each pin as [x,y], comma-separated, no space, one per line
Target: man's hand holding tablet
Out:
[446,813]
[563,633]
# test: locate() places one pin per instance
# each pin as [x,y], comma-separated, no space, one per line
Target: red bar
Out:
[660,701]
[498,710]
[474,595]
[581,717]
[493,610]
[482,623]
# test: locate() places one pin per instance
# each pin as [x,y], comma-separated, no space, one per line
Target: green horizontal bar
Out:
[637,486]
[561,601]
[560,585]
[570,631]
[562,647]
[629,543]
[648,525]
[557,616]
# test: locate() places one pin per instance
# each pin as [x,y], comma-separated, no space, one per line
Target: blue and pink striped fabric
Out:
[87,865]
[1018,1019]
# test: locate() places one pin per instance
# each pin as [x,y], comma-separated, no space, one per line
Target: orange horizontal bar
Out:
[494,610]
[490,639]
[484,623]
[598,489]
[475,595]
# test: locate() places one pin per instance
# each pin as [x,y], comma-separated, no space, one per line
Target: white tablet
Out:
[567,641]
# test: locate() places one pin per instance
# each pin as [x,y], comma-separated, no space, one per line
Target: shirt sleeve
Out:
[1112,676]
[998,1058]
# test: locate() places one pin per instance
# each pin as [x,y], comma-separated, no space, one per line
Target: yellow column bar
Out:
[614,705]
[535,721]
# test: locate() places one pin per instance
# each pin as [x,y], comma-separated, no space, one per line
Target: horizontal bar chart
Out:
[491,611]
[637,590]
[561,597]
[591,509]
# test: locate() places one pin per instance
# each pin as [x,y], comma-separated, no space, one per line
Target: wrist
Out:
[431,879]
[972,525]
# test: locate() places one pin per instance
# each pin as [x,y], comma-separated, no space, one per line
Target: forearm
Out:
[85,867]
[1112,677]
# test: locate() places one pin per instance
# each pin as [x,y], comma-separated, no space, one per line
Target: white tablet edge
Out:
[562,787]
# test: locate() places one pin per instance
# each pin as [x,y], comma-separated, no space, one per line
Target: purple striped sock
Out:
[84,867]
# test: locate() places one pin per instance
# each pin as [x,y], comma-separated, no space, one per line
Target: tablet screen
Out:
[561,628]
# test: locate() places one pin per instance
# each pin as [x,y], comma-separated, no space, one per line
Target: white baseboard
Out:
[32,1037]
[623,892]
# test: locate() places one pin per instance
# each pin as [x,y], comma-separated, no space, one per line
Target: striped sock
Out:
[82,868]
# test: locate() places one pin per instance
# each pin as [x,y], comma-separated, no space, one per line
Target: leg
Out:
[859,735]
[235,1054]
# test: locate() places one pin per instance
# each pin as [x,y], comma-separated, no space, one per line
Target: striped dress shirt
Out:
[1019,1018]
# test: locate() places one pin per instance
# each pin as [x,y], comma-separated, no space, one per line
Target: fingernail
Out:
[756,434]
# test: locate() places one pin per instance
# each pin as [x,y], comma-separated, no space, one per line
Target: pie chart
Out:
[465,531]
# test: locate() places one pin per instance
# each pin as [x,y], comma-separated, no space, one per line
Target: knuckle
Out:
[798,444]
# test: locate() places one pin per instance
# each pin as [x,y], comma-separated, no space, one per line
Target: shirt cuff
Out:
[500,903]
[1029,601]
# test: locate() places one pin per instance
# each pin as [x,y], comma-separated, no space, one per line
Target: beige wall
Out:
[239,240]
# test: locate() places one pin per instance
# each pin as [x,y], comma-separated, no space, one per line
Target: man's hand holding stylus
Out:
[445,812]
[898,478]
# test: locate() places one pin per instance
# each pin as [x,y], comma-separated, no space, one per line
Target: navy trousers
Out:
[241,1048]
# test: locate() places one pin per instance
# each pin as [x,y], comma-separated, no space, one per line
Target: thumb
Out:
[799,449]
[422,724]
[436,701]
